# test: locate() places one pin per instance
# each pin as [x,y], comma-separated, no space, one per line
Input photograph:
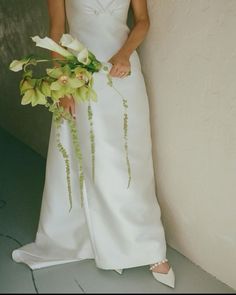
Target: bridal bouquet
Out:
[72,77]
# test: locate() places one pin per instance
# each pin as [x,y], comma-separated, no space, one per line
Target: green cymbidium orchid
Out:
[31,93]
[45,88]
[83,74]
[85,92]
[66,82]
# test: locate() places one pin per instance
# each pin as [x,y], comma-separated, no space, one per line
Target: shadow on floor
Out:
[21,186]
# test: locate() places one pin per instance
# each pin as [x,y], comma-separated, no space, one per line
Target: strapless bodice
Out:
[100,24]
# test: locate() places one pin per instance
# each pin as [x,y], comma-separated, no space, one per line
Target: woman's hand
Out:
[120,65]
[68,103]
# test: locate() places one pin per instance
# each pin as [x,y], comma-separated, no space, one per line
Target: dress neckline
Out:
[107,6]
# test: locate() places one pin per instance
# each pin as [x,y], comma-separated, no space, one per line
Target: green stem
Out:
[51,59]
[40,61]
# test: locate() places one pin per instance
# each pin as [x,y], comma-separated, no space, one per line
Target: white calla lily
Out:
[68,41]
[17,65]
[83,56]
[49,44]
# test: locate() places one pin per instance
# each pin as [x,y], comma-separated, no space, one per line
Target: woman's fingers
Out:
[119,71]
[68,103]
[72,108]
[114,72]
[123,74]
[71,105]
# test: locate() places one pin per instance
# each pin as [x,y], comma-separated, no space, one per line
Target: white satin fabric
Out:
[118,227]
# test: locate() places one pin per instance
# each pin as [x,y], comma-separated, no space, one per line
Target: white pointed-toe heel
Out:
[119,271]
[164,278]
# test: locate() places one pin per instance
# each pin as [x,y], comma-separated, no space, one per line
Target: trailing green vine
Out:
[78,154]
[59,114]
[65,156]
[92,139]
[125,127]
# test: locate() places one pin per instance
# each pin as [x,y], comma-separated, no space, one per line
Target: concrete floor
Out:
[21,185]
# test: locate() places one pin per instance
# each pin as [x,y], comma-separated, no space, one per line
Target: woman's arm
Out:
[140,28]
[120,61]
[56,11]
[57,16]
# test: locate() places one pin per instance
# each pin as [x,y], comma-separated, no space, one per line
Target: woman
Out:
[118,227]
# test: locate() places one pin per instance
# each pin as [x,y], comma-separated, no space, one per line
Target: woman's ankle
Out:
[161,267]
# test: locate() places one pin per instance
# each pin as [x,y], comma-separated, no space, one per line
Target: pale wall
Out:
[189,62]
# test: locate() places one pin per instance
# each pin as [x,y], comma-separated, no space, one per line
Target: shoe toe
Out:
[166,279]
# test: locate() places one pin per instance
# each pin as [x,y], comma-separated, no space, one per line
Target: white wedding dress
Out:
[119,227]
